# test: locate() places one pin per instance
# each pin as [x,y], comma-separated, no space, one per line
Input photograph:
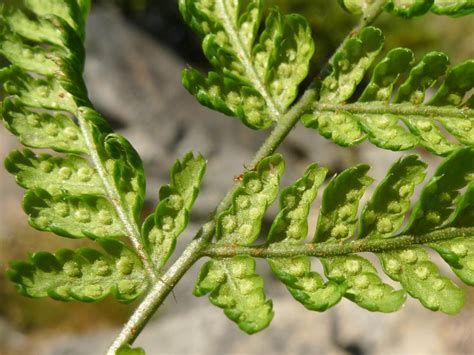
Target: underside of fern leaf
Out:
[84,274]
[93,184]
[394,119]
[232,283]
[440,220]
[255,77]
[161,229]
[95,187]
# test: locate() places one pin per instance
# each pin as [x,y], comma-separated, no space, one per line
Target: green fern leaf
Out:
[459,254]
[337,222]
[84,274]
[422,280]
[230,277]
[295,202]
[454,8]
[72,216]
[434,210]
[41,129]
[95,190]
[338,217]
[95,186]
[85,7]
[67,10]
[409,9]
[241,223]
[232,283]
[47,92]
[161,229]
[463,217]
[364,286]
[256,78]
[71,174]
[350,64]
[384,215]
[122,162]
[435,206]
[291,227]
[441,210]
[372,116]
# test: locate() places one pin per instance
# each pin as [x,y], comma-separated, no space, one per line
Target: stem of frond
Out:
[396,109]
[378,245]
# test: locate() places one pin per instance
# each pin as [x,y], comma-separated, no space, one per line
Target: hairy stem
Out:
[194,251]
[396,109]
[335,249]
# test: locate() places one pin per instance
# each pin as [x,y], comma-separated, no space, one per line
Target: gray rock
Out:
[10,339]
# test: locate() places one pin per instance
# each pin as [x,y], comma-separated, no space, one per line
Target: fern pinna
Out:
[93,185]
[372,116]
[96,188]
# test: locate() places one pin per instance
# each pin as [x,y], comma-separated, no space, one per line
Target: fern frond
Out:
[84,274]
[255,78]
[161,229]
[441,220]
[96,188]
[408,9]
[406,121]
[338,221]
[93,186]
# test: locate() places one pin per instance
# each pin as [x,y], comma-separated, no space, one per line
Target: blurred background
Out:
[136,51]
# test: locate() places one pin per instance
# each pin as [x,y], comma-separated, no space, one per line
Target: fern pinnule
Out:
[232,283]
[161,229]
[291,227]
[84,274]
